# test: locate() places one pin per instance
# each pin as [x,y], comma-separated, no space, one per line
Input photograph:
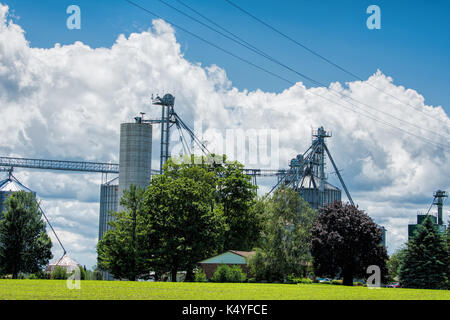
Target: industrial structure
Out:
[135,157]
[438,200]
[12,185]
[8,187]
[306,172]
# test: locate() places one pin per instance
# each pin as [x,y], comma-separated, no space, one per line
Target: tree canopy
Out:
[182,222]
[285,245]
[345,241]
[24,244]
[195,209]
[233,191]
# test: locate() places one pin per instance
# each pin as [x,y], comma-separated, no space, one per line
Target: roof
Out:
[12,185]
[244,254]
[230,257]
[66,262]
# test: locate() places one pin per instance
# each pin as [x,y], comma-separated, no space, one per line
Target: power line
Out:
[210,43]
[373,117]
[326,60]
[254,49]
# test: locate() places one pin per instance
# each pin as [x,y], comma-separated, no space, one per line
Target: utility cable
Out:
[325,59]
[249,46]
[284,79]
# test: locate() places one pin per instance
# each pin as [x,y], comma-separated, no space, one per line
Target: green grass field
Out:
[120,290]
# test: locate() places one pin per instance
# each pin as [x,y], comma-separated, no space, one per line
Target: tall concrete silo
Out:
[135,158]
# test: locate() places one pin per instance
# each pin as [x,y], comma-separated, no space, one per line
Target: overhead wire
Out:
[326,59]
[251,47]
[373,117]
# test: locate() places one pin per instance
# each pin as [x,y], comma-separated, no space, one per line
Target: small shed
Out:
[230,257]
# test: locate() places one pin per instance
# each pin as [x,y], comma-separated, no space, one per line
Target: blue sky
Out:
[68,102]
[412,46]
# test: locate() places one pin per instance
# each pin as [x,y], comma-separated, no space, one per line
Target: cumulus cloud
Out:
[67,102]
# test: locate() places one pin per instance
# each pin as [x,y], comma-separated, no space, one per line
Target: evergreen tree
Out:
[24,244]
[425,264]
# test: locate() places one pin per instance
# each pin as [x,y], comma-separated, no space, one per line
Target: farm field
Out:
[124,290]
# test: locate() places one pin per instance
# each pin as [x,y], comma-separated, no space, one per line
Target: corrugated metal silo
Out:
[312,195]
[8,187]
[109,201]
[135,157]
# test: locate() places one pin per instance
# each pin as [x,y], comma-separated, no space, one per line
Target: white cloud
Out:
[67,102]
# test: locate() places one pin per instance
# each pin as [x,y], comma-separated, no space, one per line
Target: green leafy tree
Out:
[346,241]
[258,265]
[122,251]
[425,264]
[287,237]
[237,195]
[234,192]
[59,273]
[182,221]
[394,263]
[24,244]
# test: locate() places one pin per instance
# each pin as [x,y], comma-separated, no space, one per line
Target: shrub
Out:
[225,273]
[97,275]
[32,277]
[305,281]
[251,280]
[42,275]
[336,281]
[358,284]
[200,276]
[295,280]
[258,265]
[82,274]
[59,273]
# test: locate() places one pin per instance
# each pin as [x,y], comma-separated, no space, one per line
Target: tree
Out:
[182,221]
[122,250]
[287,236]
[425,264]
[25,246]
[346,241]
[59,273]
[447,235]
[394,263]
[234,192]
[237,195]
